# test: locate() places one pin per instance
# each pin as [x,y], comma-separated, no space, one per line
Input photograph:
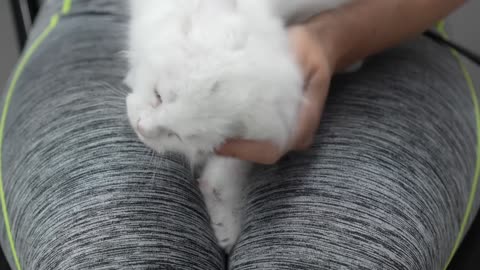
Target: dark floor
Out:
[467,257]
[3,263]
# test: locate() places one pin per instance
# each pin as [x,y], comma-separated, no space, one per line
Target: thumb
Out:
[310,113]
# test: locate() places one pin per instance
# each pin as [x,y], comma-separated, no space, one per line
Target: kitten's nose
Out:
[141,128]
[145,128]
[155,103]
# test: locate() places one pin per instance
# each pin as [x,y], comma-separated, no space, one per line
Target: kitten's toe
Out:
[226,245]
[227,230]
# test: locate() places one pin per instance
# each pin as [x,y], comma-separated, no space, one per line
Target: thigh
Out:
[389,178]
[81,192]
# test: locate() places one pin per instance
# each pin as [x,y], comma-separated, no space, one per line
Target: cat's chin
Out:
[194,153]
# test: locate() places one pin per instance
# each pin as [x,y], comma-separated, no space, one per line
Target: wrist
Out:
[362,28]
[332,41]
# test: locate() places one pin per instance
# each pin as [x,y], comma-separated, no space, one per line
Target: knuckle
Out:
[270,161]
[272,158]
[305,144]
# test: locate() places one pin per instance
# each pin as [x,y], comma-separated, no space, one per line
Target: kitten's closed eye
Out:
[158,96]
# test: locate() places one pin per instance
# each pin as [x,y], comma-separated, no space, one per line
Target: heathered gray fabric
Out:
[93,196]
[386,181]
[384,187]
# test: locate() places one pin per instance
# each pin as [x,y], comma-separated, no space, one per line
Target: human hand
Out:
[317,65]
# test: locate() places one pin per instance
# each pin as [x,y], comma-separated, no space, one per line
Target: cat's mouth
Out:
[156,132]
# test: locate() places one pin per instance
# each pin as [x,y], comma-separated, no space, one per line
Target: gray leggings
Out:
[385,186]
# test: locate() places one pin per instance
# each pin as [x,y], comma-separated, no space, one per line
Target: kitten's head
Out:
[193,88]
[172,109]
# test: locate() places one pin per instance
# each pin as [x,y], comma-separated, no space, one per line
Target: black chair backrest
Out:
[24,13]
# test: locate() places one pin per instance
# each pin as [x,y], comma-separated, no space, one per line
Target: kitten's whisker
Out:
[152,156]
[113,89]
[125,54]
[154,166]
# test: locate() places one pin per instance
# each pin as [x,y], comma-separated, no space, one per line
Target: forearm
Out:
[365,27]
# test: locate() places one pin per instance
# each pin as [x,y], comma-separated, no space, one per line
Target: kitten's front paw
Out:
[226,227]
[224,215]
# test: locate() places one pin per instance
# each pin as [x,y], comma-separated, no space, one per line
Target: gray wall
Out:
[465,24]
[8,42]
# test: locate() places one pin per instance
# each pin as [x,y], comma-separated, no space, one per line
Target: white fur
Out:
[223,69]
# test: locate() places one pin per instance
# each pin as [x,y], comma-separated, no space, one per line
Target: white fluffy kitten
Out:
[202,71]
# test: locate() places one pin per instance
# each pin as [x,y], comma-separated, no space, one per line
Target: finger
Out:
[310,113]
[299,43]
[306,127]
[258,152]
